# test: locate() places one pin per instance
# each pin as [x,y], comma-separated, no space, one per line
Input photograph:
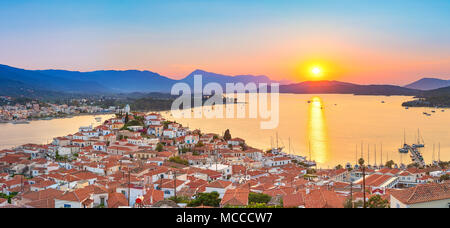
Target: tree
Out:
[348,203]
[227,135]
[361,164]
[352,204]
[444,177]
[205,199]
[126,118]
[377,202]
[180,199]
[389,164]
[179,160]
[159,147]
[338,167]
[199,144]
[255,198]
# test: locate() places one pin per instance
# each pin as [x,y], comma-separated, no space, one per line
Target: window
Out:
[67,206]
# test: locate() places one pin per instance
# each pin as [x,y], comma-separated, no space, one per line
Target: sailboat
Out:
[310,162]
[404,149]
[277,149]
[419,144]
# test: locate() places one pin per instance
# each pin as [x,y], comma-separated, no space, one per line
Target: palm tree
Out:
[361,163]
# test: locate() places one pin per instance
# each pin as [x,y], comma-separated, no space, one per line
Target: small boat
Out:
[433,111]
[406,107]
[383,102]
[443,110]
[98,119]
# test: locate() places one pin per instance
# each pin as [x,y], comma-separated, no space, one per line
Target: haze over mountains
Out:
[429,84]
[19,82]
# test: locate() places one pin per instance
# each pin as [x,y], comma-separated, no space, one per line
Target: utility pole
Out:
[129,196]
[361,163]
[351,193]
[175,184]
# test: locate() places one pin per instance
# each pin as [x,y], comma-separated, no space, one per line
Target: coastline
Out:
[26,121]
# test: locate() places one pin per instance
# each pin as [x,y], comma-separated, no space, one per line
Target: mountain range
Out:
[20,82]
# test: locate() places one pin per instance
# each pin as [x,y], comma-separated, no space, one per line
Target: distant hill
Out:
[336,87]
[221,79]
[429,84]
[18,79]
[21,82]
[120,81]
[432,98]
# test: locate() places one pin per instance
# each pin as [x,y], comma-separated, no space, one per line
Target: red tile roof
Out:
[423,193]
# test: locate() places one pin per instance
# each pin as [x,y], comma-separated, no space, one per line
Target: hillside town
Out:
[33,109]
[141,160]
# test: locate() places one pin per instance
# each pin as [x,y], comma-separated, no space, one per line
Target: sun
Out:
[316,71]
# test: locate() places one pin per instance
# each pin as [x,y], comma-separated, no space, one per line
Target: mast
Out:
[418,136]
[368,154]
[404,136]
[381,154]
[277,141]
[439,153]
[289,145]
[375,154]
[361,149]
[433,152]
[310,159]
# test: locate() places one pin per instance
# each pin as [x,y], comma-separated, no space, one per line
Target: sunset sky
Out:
[376,41]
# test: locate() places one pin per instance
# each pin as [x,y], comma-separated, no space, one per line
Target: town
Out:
[18,113]
[142,160]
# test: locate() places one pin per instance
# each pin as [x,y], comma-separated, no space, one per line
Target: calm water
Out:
[335,132]
[43,131]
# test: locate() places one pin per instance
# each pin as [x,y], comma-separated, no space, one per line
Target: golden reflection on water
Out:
[317,131]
